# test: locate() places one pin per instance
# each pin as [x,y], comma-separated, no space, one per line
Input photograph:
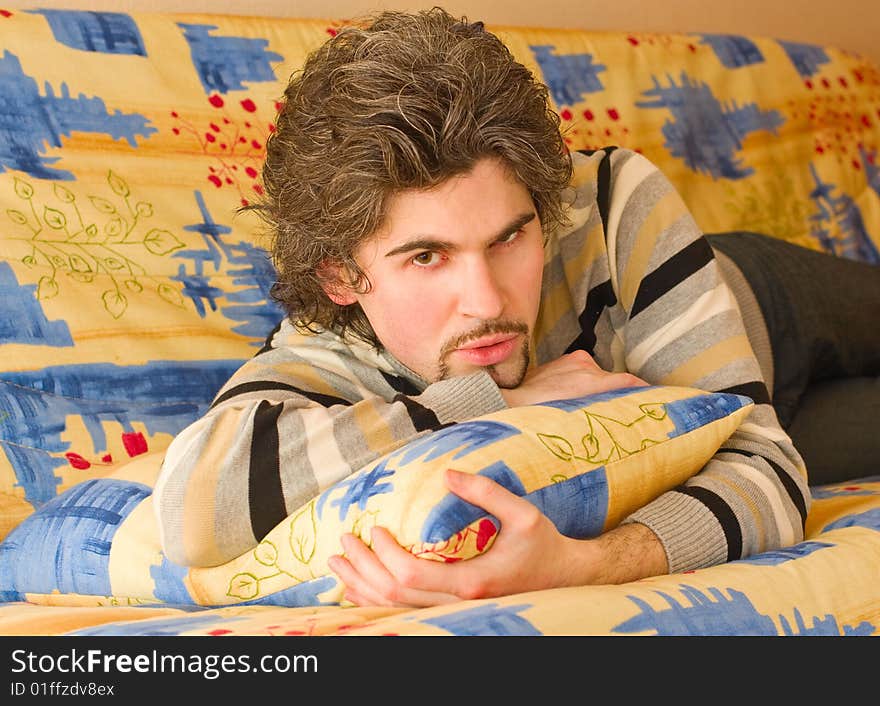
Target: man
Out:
[442,256]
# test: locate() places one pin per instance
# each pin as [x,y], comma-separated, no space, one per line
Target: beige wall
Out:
[849,24]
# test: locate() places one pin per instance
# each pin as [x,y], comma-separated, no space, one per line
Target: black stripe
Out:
[791,488]
[267,345]
[422,417]
[400,384]
[603,185]
[724,515]
[265,495]
[757,390]
[598,298]
[323,400]
[797,497]
[671,273]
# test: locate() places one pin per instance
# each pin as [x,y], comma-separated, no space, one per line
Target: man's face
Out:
[456,276]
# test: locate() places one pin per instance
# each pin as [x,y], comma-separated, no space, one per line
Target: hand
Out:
[574,374]
[528,554]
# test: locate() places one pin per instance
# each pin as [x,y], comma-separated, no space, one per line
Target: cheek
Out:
[404,316]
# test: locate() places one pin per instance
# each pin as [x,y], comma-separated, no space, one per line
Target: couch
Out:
[133,288]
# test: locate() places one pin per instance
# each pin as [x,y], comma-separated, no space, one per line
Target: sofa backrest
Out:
[132,287]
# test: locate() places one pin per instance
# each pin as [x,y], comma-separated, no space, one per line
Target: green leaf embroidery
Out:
[118,184]
[245,586]
[64,194]
[303,531]
[103,205]
[115,302]
[170,294]
[54,218]
[16,216]
[161,242]
[47,288]
[23,189]
[557,445]
[266,553]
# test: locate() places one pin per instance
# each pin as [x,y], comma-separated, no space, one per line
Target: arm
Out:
[292,421]
[528,554]
[681,326]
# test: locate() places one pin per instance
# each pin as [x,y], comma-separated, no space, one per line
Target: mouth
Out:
[489,350]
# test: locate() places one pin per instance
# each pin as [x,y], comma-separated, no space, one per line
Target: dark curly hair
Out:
[401,101]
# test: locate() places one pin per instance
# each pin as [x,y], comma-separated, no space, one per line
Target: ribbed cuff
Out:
[461,398]
[688,531]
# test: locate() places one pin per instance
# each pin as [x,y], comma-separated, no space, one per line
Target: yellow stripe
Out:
[373,427]
[664,213]
[710,360]
[199,519]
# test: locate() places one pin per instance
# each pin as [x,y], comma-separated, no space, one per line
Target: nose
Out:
[481,295]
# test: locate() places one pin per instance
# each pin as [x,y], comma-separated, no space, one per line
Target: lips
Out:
[489,350]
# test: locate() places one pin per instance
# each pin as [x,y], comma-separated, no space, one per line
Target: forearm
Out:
[626,553]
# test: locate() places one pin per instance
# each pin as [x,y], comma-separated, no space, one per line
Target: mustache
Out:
[487,328]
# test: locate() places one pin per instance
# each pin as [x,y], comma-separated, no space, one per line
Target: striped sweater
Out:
[630,279]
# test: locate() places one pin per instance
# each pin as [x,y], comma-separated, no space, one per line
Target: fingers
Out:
[510,509]
[387,574]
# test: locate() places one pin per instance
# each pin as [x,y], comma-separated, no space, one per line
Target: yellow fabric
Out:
[824,586]
[586,463]
[132,288]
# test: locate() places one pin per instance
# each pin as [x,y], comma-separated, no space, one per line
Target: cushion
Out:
[585,462]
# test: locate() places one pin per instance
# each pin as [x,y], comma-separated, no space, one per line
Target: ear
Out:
[332,282]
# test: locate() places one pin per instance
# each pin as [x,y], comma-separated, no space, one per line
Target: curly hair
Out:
[404,101]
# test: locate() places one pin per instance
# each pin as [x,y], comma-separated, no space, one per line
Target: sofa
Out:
[133,287]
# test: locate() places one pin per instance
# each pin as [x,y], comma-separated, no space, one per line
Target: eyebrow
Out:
[428,243]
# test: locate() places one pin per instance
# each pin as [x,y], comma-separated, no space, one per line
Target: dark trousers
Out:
[822,315]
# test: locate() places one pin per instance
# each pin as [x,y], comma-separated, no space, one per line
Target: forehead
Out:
[470,205]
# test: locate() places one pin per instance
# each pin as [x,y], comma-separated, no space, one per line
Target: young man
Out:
[442,256]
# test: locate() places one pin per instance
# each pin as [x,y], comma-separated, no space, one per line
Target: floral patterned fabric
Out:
[132,287]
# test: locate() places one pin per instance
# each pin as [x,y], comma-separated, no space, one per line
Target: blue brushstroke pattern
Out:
[732,50]
[358,489]
[168,583]
[870,519]
[568,76]
[489,620]
[690,414]
[70,537]
[161,627]
[807,58]
[104,32]
[225,63]
[302,594]
[780,556]
[452,514]
[577,404]
[854,243]
[718,615]
[463,438]
[165,396]
[249,267]
[30,122]
[22,319]
[578,506]
[704,133]
[687,414]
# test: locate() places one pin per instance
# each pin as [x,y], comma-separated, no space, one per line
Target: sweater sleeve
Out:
[286,426]
[678,324]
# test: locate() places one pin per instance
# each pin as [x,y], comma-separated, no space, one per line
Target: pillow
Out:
[586,463]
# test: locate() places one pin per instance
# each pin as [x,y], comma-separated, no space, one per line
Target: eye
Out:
[426,259]
[509,238]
